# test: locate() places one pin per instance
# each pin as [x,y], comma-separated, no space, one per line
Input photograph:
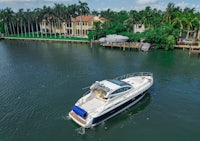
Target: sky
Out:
[99,5]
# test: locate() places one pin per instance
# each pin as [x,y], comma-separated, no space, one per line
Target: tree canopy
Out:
[165,28]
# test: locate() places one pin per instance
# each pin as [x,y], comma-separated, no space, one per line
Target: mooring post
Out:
[91,43]
[124,46]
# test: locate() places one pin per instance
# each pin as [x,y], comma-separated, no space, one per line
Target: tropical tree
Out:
[198,25]
[133,18]
[37,19]
[1,22]
[73,9]
[83,9]
[171,13]
[8,20]
[28,17]
[67,18]
[20,16]
[46,13]
[58,13]
[18,22]
[190,19]
[156,19]
[95,13]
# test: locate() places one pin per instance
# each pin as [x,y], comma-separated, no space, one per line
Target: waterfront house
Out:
[78,27]
[81,26]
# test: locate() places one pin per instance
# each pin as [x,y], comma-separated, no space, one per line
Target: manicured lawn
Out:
[49,37]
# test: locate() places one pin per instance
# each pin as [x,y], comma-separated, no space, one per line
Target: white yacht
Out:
[109,97]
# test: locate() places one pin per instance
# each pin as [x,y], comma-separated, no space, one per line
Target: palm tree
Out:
[32,21]
[109,15]
[171,13]
[18,22]
[133,18]
[58,12]
[178,22]
[8,20]
[37,18]
[1,21]
[156,19]
[83,10]
[5,21]
[198,26]
[73,9]
[45,15]
[67,18]
[94,12]
[20,16]
[13,22]
[147,18]
[28,19]
[97,28]
[189,15]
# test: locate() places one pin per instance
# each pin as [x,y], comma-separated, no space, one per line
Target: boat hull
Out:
[117,110]
[97,120]
[95,110]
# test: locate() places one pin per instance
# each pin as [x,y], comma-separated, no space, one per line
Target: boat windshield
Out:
[97,85]
[118,82]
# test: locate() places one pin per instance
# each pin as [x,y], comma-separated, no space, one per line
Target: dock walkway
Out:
[129,45]
[184,46]
[194,50]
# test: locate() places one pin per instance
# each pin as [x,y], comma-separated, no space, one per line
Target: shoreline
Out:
[86,41]
[46,39]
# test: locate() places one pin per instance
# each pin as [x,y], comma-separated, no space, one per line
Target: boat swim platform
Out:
[77,117]
[124,45]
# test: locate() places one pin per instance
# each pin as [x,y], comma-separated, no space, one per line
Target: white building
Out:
[139,28]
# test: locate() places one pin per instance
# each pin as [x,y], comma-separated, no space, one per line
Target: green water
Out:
[41,81]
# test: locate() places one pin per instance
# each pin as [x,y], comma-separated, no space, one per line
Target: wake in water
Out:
[66,117]
[80,130]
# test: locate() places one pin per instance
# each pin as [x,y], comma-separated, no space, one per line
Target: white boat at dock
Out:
[108,98]
[113,38]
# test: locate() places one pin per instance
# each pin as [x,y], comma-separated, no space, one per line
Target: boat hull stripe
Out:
[110,113]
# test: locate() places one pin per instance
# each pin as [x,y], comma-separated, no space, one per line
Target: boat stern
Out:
[80,116]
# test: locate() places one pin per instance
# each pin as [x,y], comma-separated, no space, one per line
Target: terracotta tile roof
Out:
[84,18]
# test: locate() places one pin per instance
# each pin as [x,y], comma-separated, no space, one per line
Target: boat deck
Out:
[138,81]
[91,105]
[75,116]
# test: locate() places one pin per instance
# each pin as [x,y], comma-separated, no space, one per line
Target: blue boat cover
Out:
[79,111]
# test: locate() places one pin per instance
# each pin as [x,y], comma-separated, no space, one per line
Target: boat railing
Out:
[134,74]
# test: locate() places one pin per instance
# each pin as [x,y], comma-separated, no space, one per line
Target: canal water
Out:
[41,81]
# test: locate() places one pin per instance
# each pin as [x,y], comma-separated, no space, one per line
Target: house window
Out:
[68,24]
